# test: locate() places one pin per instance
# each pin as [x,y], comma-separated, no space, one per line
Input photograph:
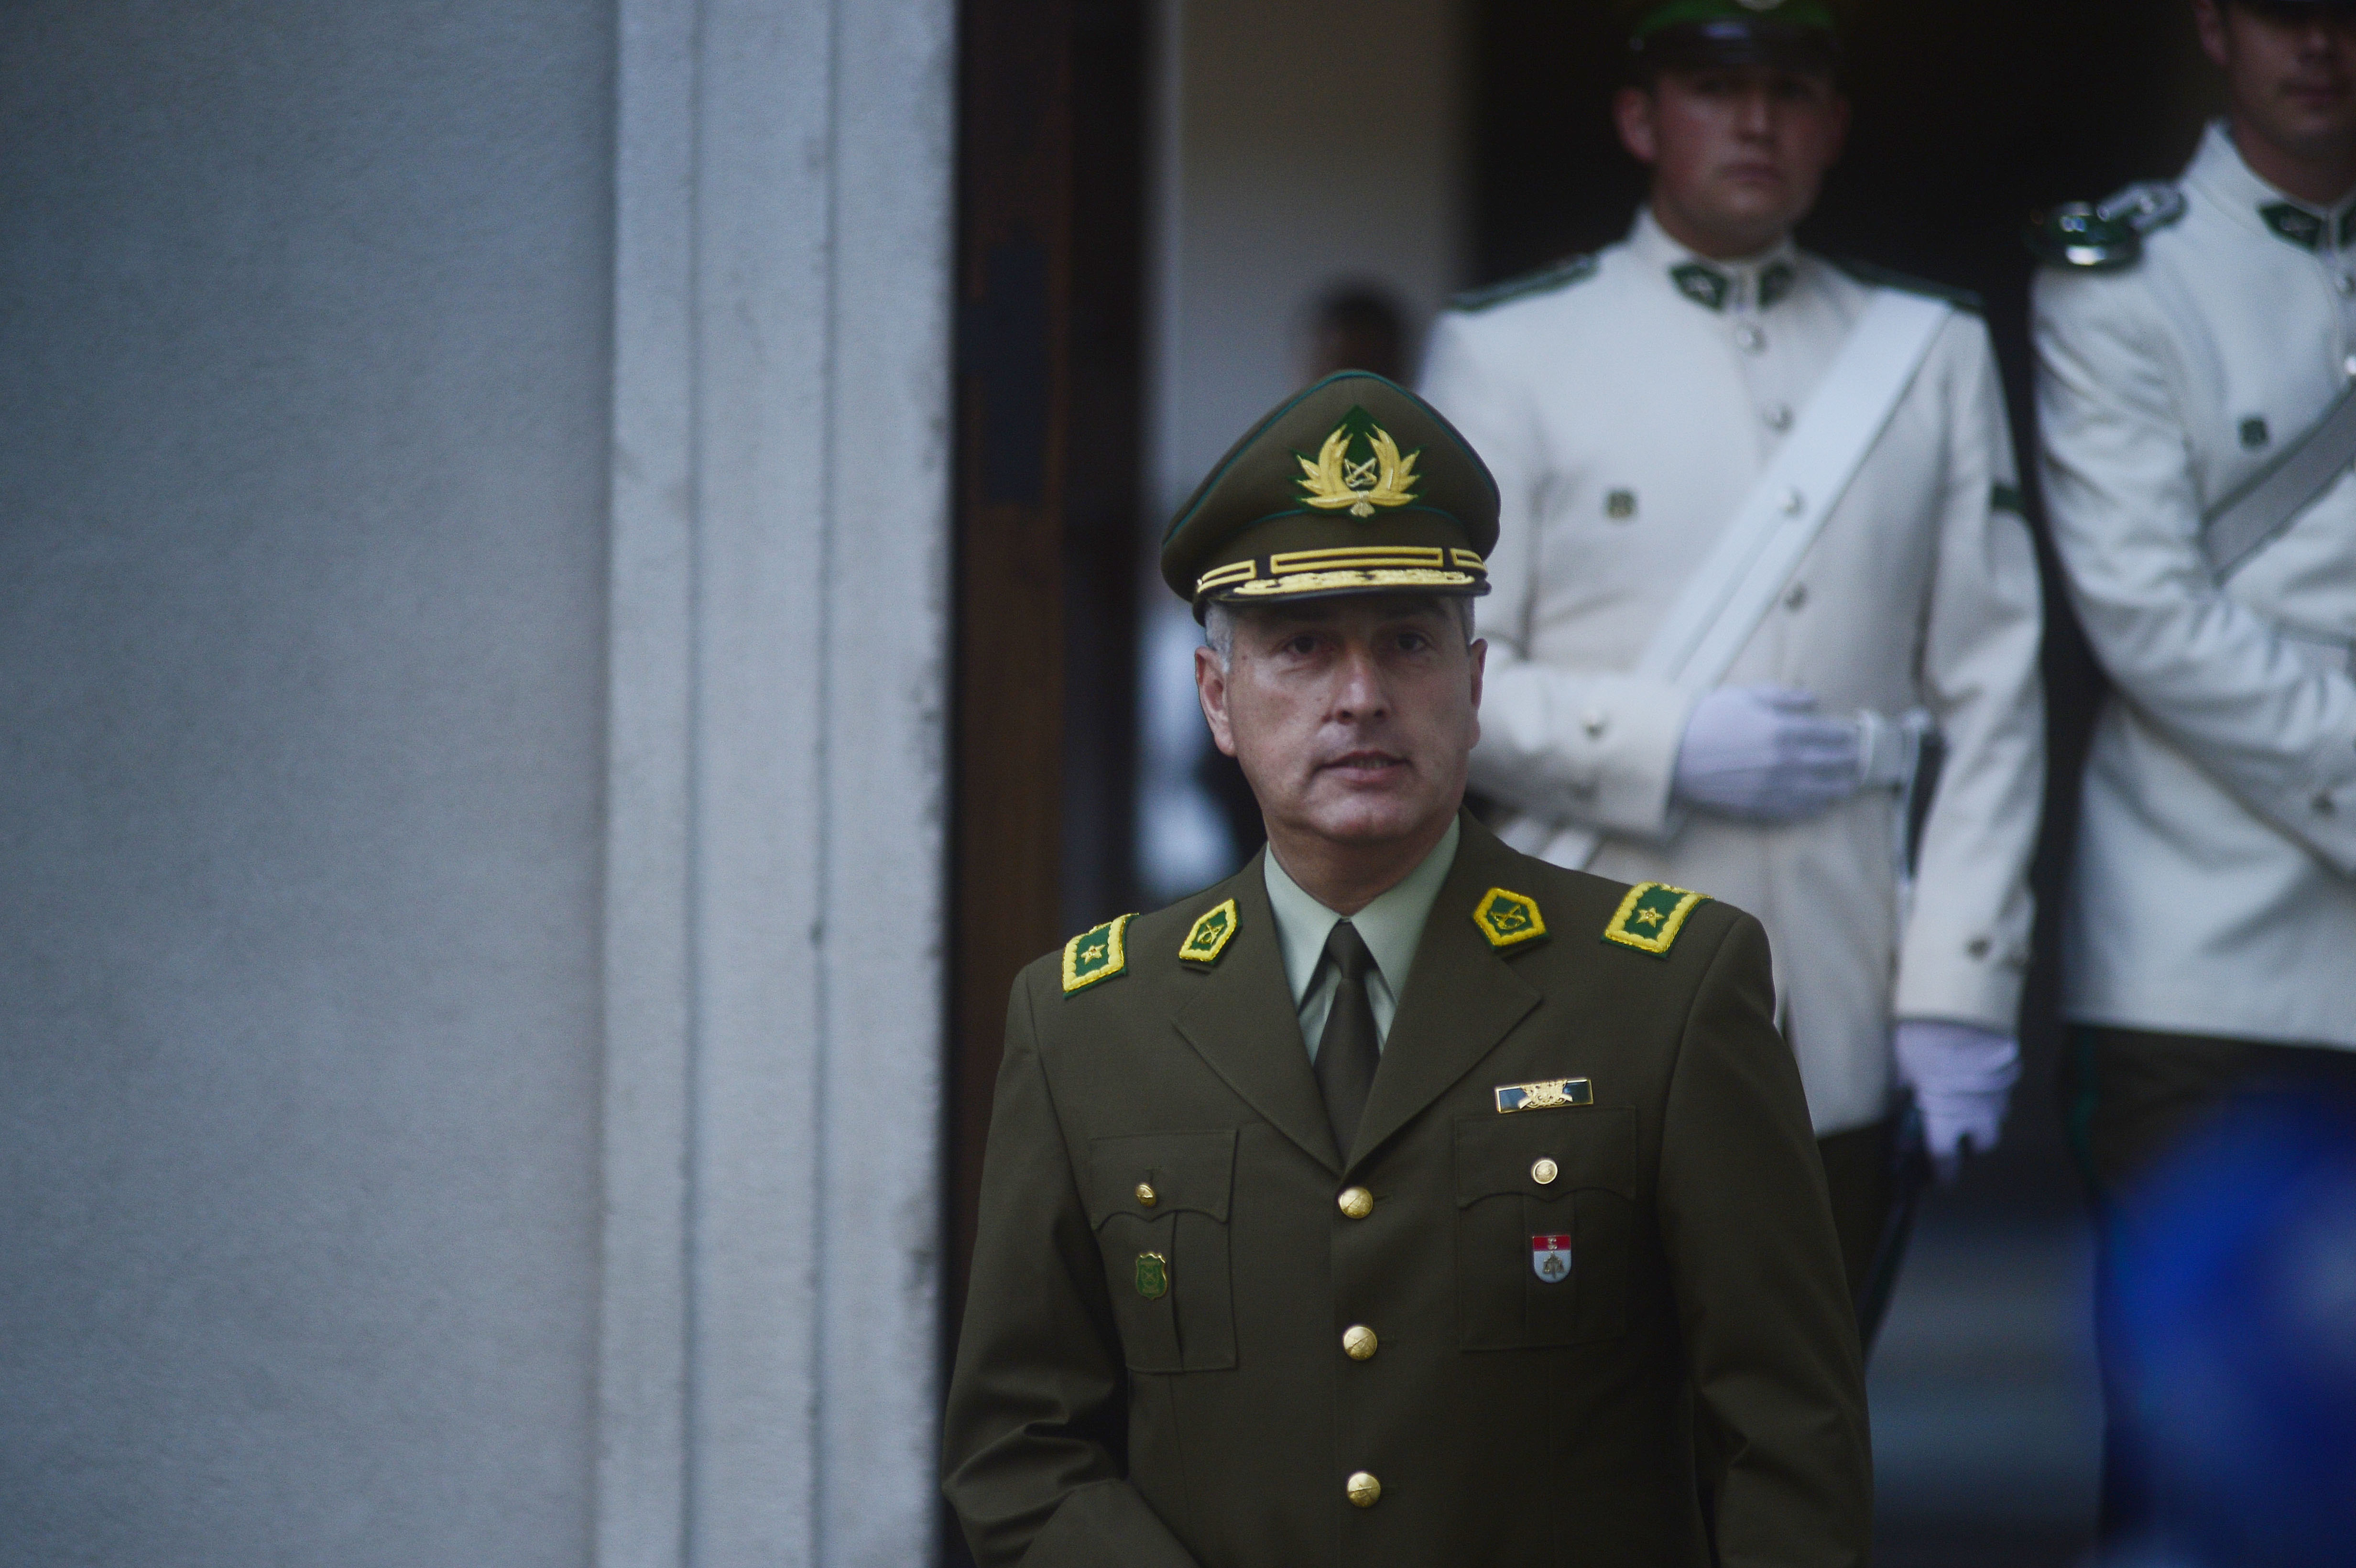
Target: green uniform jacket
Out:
[1510,1421]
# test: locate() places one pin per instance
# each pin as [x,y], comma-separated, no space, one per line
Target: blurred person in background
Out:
[1760,542]
[2232,1282]
[2196,342]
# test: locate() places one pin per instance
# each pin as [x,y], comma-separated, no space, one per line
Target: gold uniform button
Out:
[1359,1342]
[1544,1172]
[1356,1202]
[1365,1490]
[1146,1197]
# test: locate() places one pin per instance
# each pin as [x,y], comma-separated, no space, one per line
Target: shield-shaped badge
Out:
[1550,1258]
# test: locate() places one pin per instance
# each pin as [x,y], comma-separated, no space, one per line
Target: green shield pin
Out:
[1153,1276]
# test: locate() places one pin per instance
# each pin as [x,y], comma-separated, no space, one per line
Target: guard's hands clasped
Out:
[1764,753]
[1962,1076]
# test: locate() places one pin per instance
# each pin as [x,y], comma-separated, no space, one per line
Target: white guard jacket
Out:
[2217,834]
[1626,405]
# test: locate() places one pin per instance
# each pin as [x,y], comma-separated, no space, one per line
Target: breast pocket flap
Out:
[1546,1154]
[1148,1175]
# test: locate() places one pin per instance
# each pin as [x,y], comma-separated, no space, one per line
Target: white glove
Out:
[1764,753]
[1962,1076]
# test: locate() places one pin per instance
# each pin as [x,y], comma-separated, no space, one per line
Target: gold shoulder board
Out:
[1651,916]
[1211,935]
[1095,955]
[1508,919]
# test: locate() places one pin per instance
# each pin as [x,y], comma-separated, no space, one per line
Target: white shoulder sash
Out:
[1738,582]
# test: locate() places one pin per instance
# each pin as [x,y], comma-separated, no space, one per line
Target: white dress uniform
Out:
[2217,836]
[1626,404]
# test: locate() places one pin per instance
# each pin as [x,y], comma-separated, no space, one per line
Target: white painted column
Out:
[777,786]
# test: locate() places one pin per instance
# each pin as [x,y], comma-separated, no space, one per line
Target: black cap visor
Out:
[1699,45]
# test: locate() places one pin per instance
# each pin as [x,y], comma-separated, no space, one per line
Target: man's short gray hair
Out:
[1219,624]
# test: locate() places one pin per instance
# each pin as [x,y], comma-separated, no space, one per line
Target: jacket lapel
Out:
[1244,1024]
[1461,997]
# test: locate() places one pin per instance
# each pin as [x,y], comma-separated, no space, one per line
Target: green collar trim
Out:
[1705,285]
[2296,224]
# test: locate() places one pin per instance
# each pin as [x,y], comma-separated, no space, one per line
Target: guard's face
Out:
[1738,151]
[2290,71]
[1352,717]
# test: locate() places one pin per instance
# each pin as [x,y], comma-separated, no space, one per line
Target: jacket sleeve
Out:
[1763,1304]
[2217,677]
[1965,946]
[1594,747]
[1036,1405]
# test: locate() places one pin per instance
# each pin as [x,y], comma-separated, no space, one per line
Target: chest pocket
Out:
[1159,1204]
[1511,1294]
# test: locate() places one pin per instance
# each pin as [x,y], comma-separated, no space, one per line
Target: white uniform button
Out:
[2349,365]
[2324,805]
[1794,503]
[2347,284]
[1797,598]
[1594,721]
[1777,415]
[1748,339]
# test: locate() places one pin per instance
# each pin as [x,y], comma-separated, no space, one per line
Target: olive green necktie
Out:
[1349,1050]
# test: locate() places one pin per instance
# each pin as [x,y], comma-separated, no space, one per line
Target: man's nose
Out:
[1754,117]
[1360,694]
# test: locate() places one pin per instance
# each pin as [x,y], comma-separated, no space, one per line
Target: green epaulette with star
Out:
[2107,234]
[1561,275]
[1904,282]
[1096,954]
[1651,916]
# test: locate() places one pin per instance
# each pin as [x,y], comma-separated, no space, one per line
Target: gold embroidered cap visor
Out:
[1355,485]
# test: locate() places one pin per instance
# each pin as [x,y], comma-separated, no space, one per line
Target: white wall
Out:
[455,1072]
[1298,146]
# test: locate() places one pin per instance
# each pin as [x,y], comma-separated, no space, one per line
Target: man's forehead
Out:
[1357,607]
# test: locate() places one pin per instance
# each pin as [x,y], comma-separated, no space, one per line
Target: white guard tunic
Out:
[2217,835]
[1627,406]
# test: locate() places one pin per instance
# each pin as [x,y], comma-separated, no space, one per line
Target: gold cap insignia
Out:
[1507,919]
[1358,468]
[1651,916]
[1095,955]
[1211,934]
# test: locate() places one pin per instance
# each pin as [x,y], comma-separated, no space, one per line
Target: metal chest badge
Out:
[1550,1258]
[1153,1274]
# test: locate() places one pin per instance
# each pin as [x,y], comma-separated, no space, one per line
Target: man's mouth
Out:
[1364,763]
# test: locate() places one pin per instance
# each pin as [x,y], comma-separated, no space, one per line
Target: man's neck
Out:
[1348,877]
[2319,179]
[1715,242]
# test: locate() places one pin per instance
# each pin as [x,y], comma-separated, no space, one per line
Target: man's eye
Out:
[1301,646]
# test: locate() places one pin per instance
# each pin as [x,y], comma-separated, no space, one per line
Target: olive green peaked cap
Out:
[1355,485]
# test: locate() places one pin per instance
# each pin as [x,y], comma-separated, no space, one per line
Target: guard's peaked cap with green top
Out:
[1355,485]
[1802,35]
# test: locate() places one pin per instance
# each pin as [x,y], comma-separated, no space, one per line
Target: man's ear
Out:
[1480,651]
[2216,42]
[1211,686]
[1632,111]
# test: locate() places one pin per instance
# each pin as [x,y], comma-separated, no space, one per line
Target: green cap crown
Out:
[1355,485]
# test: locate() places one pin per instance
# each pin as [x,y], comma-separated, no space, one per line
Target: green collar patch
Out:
[2296,224]
[1211,935]
[1775,283]
[1095,955]
[1651,916]
[1508,919]
[1703,285]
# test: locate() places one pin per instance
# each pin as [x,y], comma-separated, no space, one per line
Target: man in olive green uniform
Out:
[1403,1199]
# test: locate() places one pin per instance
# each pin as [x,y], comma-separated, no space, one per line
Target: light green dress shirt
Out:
[1391,926]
